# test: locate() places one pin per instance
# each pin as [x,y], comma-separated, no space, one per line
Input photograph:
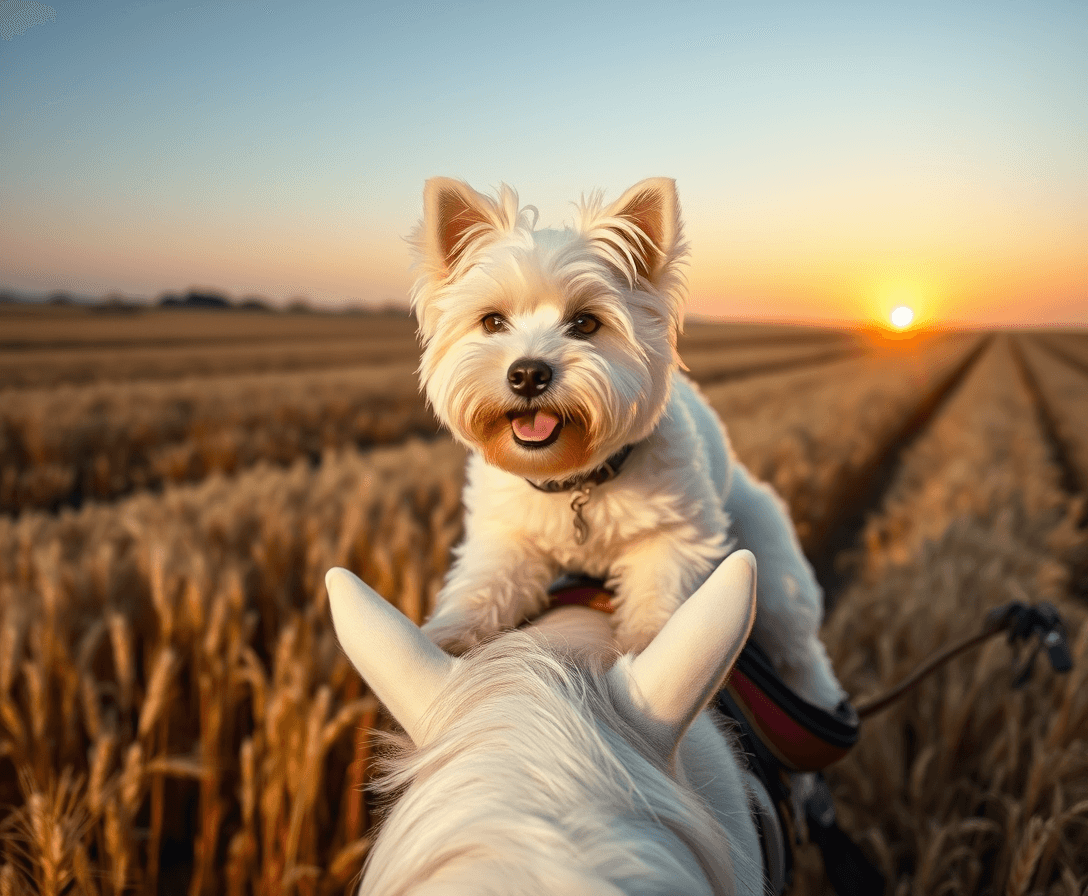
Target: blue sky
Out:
[832,159]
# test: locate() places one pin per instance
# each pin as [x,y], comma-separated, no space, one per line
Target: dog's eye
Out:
[584,325]
[494,323]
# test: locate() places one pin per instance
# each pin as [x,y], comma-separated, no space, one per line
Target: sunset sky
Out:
[834,160]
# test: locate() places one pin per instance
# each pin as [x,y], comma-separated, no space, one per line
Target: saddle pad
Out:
[803,737]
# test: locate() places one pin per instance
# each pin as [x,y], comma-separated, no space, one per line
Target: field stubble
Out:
[106,440]
[177,715]
[815,434]
[47,346]
[176,651]
[1063,385]
[149,402]
[966,785]
[67,444]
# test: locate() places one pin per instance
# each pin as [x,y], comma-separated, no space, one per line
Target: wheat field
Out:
[175,713]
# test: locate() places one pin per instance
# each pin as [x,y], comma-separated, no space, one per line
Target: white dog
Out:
[551,354]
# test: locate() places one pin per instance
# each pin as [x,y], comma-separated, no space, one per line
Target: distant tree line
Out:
[204,299]
[199,298]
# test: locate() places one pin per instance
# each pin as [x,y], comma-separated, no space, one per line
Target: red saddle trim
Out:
[596,597]
[802,737]
[794,745]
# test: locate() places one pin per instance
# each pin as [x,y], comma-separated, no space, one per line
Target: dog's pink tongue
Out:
[535,426]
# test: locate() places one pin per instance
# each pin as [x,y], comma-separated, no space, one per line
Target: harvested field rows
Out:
[1073,347]
[711,365]
[966,785]
[42,349]
[37,368]
[703,334]
[815,435]
[63,445]
[1064,389]
[35,326]
[105,440]
[174,704]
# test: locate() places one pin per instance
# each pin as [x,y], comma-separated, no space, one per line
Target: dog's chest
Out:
[665,489]
[590,529]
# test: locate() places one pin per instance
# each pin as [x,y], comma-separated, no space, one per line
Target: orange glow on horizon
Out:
[943,290]
[832,283]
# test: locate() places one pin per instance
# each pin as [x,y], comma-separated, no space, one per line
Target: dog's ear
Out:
[644,223]
[455,216]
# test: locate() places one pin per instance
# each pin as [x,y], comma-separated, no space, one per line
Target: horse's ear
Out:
[665,687]
[403,668]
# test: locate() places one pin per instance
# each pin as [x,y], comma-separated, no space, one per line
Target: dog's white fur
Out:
[532,767]
[681,501]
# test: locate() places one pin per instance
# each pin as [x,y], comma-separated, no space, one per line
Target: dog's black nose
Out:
[528,377]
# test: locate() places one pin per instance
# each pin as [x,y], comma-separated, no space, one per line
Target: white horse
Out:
[540,763]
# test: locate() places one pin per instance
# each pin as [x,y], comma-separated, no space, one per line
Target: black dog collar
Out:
[606,471]
[581,486]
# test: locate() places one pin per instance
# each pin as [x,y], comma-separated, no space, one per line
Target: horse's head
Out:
[539,761]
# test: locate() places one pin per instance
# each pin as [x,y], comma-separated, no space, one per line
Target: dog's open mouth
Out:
[535,429]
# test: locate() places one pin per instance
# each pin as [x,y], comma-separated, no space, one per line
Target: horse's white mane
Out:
[533,760]
[533,766]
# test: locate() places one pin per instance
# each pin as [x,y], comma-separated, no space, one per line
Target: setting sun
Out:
[901,317]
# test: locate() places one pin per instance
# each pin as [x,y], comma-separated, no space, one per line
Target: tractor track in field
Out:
[1071,481]
[769,367]
[1061,354]
[770,340]
[864,494]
